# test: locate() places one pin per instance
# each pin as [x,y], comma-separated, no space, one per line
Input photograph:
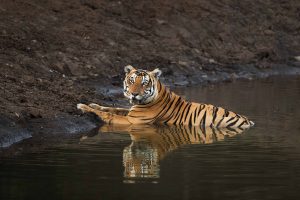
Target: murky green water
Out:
[172,163]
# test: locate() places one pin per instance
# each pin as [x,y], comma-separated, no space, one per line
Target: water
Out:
[168,163]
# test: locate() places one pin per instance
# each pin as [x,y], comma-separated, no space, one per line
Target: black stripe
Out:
[176,138]
[169,107]
[226,113]
[230,119]
[187,113]
[182,113]
[163,100]
[178,112]
[244,118]
[201,128]
[214,134]
[173,113]
[215,114]
[243,122]
[231,129]
[167,139]
[220,121]
[184,134]
[233,123]
[161,97]
[195,114]
[202,122]
[201,106]
[188,133]
[194,130]
[204,131]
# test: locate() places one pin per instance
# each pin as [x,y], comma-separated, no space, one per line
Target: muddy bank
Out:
[54,54]
[37,134]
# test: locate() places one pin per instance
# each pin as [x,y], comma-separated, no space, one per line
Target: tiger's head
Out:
[140,86]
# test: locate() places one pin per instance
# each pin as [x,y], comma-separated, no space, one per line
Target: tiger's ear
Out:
[128,69]
[156,73]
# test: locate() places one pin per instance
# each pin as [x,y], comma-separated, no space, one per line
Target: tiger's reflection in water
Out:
[151,143]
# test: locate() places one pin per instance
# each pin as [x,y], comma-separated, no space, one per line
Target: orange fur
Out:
[156,104]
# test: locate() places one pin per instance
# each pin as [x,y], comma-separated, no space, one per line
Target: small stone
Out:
[161,22]
[183,63]
[269,32]
[297,58]
[211,60]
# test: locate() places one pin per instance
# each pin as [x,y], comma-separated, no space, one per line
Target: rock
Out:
[297,58]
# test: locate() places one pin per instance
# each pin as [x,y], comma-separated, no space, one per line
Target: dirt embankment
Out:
[50,49]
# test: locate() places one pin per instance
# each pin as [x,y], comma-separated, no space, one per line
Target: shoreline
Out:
[30,134]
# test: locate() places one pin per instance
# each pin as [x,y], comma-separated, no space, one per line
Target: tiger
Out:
[154,103]
[150,144]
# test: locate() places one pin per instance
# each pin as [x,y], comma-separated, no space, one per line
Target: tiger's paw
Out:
[96,106]
[84,108]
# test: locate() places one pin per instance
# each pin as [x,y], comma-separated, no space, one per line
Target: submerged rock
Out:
[11,133]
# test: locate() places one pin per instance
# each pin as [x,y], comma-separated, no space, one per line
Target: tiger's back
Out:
[170,108]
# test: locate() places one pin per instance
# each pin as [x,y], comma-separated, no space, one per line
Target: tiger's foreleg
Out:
[107,117]
[118,111]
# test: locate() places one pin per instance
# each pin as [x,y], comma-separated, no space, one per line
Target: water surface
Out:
[172,163]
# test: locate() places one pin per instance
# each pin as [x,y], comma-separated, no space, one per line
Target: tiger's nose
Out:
[134,94]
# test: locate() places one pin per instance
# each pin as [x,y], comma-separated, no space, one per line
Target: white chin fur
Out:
[139,98]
